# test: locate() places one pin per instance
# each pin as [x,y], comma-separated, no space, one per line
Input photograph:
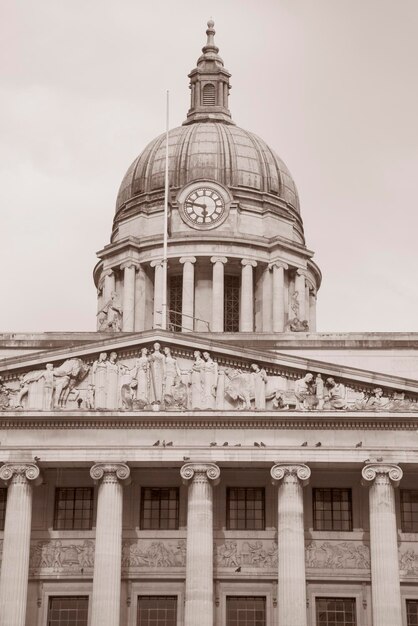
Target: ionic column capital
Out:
[157,263]
[200,472]
[284,471]
[301,272]
[13,473]
[187,259]
[278,264]
[110,472]
[130,264]
[218,259]
[108,272]
[386,473]
[245,262]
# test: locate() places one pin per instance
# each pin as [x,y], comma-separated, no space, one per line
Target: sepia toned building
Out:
[222,464]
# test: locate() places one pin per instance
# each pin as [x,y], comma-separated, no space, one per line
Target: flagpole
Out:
[165,240]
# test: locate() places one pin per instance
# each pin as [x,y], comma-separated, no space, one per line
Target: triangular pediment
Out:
[192,372]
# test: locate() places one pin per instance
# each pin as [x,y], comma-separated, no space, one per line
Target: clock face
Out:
[204,206]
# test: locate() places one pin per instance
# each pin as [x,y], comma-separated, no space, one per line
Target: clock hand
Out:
[202,206]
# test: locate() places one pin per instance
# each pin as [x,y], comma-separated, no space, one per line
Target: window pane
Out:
[157,611]
[231,303]
[409,510]
[73,508]
[412,612]
[175,289]
[245,611]
[70,610]
[332,509]
[245,508]
[159,508]
[335,612]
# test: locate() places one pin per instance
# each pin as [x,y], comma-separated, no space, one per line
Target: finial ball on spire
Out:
[211,23]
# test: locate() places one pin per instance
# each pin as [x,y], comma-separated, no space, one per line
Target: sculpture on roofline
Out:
[171,373]
[69,375]
[51,387]
[5,395]
[114,373]
[110,316]
[334,395]
[238,388]
[295,325]
[196,381]
[157,374]
[305,393]
[142,375]
[90,400]
[99,372]
[260,379]
[210,381]
[319,392]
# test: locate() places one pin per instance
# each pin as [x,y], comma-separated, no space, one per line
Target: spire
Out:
[209,85]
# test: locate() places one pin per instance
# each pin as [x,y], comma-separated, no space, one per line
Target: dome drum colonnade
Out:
[231,199]
[380,477]
[203,280]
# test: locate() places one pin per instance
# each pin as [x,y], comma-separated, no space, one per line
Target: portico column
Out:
[300,281]
[278,295]
[128,321]
[16,543]
[105,609]
[188,293]
[291,599]
[247,296]
[386,593]
[218,293]
[158,293]
[199,557]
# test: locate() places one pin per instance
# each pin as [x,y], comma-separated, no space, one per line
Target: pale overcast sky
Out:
[331,85]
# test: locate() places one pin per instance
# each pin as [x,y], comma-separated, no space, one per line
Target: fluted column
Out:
[16,542]
[199,557]
[158,293]
[300,286]
[105,609]
[129,270]
[386,593]
[278,296]
[247,296]
[188,293]
[291,599]
[217,325]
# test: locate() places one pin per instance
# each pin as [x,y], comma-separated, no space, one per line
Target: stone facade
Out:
[269,463]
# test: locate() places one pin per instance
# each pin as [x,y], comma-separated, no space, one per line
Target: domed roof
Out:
[210,150]
[209,146]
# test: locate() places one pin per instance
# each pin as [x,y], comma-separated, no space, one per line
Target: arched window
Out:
[209,95]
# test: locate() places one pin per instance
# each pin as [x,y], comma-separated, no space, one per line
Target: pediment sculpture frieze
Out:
[165,378]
